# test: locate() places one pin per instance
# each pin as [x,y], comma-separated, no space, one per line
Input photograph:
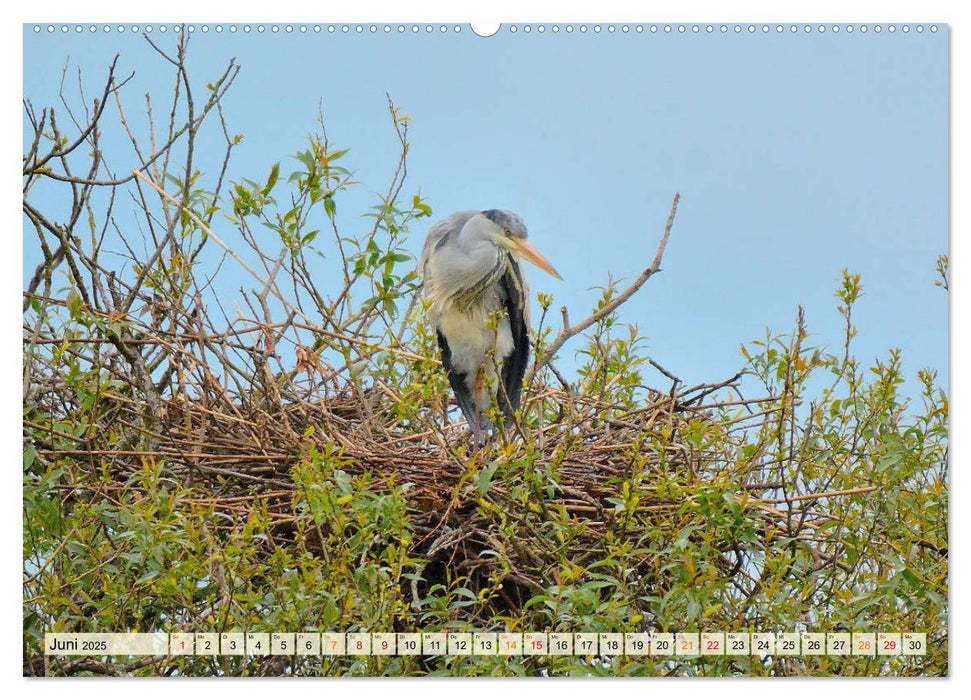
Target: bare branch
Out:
[570,331]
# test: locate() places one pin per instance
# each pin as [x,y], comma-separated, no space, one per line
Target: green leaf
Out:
[484,477]
[29,455]
[271,180]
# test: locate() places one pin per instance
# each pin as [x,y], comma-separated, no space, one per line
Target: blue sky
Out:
[795,155]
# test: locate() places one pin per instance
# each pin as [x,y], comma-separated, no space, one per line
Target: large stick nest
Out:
[238,456]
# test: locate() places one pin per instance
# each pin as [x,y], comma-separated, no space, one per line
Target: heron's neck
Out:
[478,286]
[478,246]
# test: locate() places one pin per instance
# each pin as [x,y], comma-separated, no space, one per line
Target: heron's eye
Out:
[508,232]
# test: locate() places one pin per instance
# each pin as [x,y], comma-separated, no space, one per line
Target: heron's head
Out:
[509,232]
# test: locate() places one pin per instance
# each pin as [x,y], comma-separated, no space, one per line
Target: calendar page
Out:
[418,348]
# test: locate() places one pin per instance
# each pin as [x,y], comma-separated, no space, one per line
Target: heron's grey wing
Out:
[513,292]
[458,380]
[440,234]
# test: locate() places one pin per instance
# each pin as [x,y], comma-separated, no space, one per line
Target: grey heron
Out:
[470,270]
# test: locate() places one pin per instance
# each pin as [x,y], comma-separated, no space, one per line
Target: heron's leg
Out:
[477,398]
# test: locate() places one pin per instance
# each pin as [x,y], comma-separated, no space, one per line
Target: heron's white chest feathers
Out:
[471,338]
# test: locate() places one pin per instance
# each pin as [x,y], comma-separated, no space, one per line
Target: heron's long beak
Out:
[530,253]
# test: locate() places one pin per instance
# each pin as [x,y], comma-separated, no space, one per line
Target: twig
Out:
[814,496]
[570,331]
